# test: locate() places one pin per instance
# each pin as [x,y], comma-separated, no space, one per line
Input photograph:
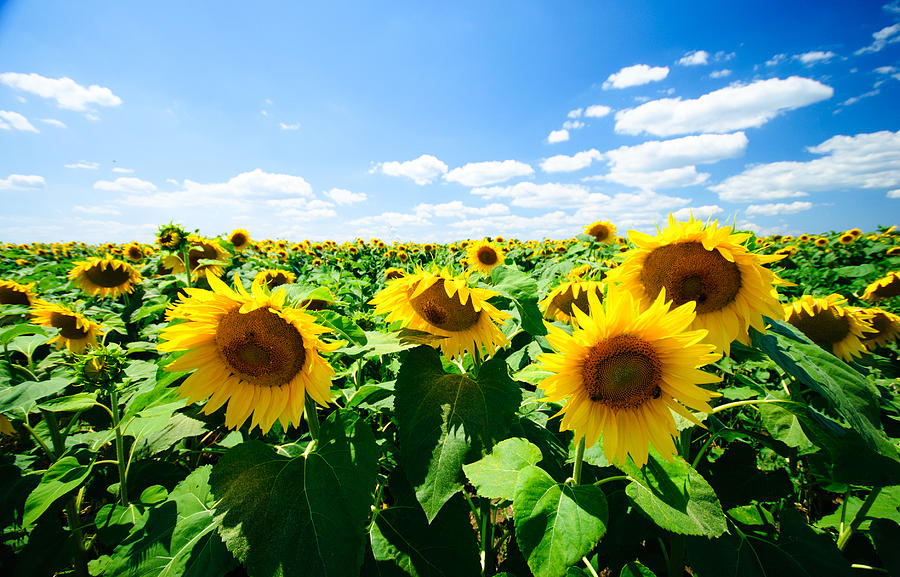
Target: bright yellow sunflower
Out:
[887,327]
[855,232]
[602,231]
[438,303]
[133,251]
[847,238]
[578,272]
[76,331]
[709,266]
[205,249]
[240,239]
[884,288]
[893,251]
[830,325]
[483,256]
[392,272]
[560,302]
[249,350]
[274,278]
[821,242]
[13,293]
[624,369]
[105,277]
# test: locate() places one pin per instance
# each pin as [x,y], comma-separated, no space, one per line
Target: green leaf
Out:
[447,420]
[19,400]
[885,506]
[342,325]
[177,428]
[7,334]
[885,535]
[523,291]
[556,523]
[65,475]
[675,496]
[496,476]
[854,271]
[71,403]
[299,516]
[27,344]
[377,344]
[784,426]
[815,551]
[635,569]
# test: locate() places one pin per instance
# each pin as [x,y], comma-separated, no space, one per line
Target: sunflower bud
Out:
[103,367]
[172,237]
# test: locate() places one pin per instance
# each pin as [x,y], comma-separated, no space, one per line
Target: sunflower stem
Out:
[579,459]
[602,482]
[590,567]
[120,446]
[312,418]
[727,406]
[487,538]
[858,518]
[187,267]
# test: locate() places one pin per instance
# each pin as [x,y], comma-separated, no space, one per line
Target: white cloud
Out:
[893,193]
[21,182]
[531,195]
[125,184]
[387,222]
[344,197]
[84,164]
[564,163]
[66,92]
[557,136]
[456,209]
[893,7]
[698,212]
[776,60]
[722,56]
[862,161]
[575,113]
[53,122]
[422,170]
[885,36]
[814,57]
[720,73]
[695,58]
[123,170]
[678,152]
[657,179]
[854,99]
[573,124]
[295,126]
[485,173]
[96,210]
[724,110]
[14,120]
[597,111]
[636,75]
[776,208]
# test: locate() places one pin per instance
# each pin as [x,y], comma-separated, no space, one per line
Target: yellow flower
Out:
[710,267]
[483,256]
[105,277]
[393,272]
[273,278]
[205,249]
[847,238]
[829,324]
[560,302]
[884,288]
[887,327]
[240,239]
[76,332]
[13,293]
[133,252]
[249,350]
[438,303]
[602,231]
[624,369]
[821,242]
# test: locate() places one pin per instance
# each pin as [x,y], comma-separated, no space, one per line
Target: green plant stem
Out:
[187,267]
[39,440]
[727,406]
[602,482]
[579,459]
[590,567]
[858,519]
[675,562]
[312,418]
[120,446]
[487,550]
[702,451]
[868,567]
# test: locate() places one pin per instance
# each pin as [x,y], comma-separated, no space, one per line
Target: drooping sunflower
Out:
[105,277]
[438,303]
[560,302]
[205,249]
[602,231]
[884,288]
[76,331]
[830,325]
[624,369]
[249,350]
[133,251]
[273,278]
[13,293]
[709,266]
[240,239]
[172,237]
[887,327]
[484,255]
[392,273]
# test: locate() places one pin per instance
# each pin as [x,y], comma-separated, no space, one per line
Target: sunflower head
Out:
[561,302]
[855,232]
[133,251]
[579,271]
[392,273]
[886,326]
[602,231]
[273,278]
[240,239]
[830,325]
[847,238]
[821,242]
[893,251]
[172,237]
[624,369]
[205,249]
[13,293]
[483,256]
[445,306]
[75,331]
[102,367]
[884,288]
[105,277]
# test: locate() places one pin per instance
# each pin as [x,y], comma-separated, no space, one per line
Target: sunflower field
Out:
[701,401]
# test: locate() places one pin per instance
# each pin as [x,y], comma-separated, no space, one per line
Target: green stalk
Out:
[727,406]
[312,418]
[120,446]
[487,549]
[858,519]
[579,459]
[187,267]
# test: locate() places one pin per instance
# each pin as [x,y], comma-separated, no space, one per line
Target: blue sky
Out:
[418,121]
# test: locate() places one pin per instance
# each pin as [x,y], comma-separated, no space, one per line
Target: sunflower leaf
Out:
[19,400]
[496,475]
[522,290]
[66,474]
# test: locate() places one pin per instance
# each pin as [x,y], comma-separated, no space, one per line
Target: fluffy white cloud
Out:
[597,111]
[880,39]
[636,75]
[575,113]
[695,58]
[862,161]
[814,57]
[854,99]
[573,124]
[698,212]
[388,222]
[892,7]
[776,60]
[295,126]
[66,92]
[557,136]
[893,193]
[422,170]
[84,164]
[564,163]
[96,210]
[724,110]
[491,172]
[456,209]
[21,182]
[531,195]
[344,197]
[720,73]
[53,122]
[776,208]
[13,120]
[657,179]
[125,184]
[123,170]
[677,152]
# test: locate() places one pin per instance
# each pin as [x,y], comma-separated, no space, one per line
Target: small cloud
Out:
[22,99]
[777,208]
[96,210]
[22,182]
[53,122]
[92,117]
[575,113]
[885,36]
[67,93]
[776,60]
[564,163]
[264,112]
[636,75]
[344,197]
[722,56]
[720,73]
[557,136]
[813,58]
[573,124]
[123,170]
[698,212]
[125,184]
[14,120]
[173,181]
[695,58]
[597,111]
[893,7]
[422,170]
[854,99]
[295,126]
[894,193]
[485,173]
[84,164]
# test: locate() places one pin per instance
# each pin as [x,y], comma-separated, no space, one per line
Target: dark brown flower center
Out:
[107,277]
[689,272]
[487,255]
[239,239]
[889,290]
[622,372]
[881,323]
[260,347]
[444,312]
[566,300]
[202,251]
[824,327]
[67,325]
[276,280]
[11,296]
[599,232]
[135,253]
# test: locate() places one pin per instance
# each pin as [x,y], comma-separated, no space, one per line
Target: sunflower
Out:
[240,239]
[846,238]
[172,237]
[624,369]
[393,272]
[483,256]
[249,350]
[829,324]
[887,325]
[205,249]
[13,293]
[855,232]
[821,242]
[893,251]
[560,302]
[884,288]
[438,303]
[709,266]
[133,252]
[76,332]
[602,231]
[578,272]
[803,238]
[273,278]
[105,277]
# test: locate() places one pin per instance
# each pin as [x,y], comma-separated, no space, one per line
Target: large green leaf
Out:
[298,516]
[556,523]
[523,291]
[675,496]
[448,420]
[178,427]
[496,476]
[65,475]
[885,535]
[19,400]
